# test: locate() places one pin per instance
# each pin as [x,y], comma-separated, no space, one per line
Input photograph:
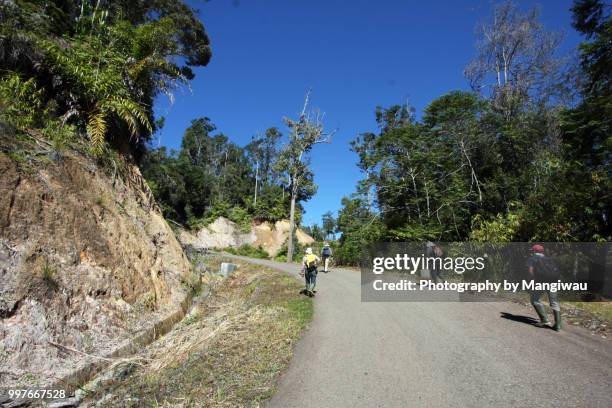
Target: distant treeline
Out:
[210,176]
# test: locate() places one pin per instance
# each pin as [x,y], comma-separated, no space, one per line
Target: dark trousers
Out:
[311,278]
[436,275]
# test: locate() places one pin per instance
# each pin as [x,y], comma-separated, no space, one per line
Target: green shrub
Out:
[348,250]
[196,224]
[298,251]
[219,209]
[20,101]
[242,218]
[250,251]
[501,228]
[61,136]
[237,214]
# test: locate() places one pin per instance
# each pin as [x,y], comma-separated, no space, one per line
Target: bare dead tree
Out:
[305,132]
[474,177]
[515,59]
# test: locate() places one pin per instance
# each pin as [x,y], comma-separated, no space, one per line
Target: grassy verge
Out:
[600,310]
[227,352]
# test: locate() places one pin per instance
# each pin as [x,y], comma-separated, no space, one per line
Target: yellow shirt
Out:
[308,258]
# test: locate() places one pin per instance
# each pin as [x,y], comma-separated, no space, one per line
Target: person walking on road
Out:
[326,253]
[434,251]
[309,271]
[544,269]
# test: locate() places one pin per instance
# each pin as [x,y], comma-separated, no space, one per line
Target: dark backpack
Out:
[326,251]
[545,269]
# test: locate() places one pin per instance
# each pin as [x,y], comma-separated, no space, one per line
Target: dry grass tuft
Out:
[227,352]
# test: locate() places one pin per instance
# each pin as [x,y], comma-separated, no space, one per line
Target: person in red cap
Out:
[543,269]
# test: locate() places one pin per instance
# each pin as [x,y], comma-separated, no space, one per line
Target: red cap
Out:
[538,248]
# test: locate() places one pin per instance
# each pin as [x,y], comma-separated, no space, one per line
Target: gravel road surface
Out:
[434,354]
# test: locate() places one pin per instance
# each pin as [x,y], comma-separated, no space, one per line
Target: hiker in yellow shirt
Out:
[309,271]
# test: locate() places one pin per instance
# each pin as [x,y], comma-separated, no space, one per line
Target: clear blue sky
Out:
[354,55]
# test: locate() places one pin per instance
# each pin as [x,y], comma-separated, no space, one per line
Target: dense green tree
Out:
[587,128]
[424,175]
[315,232]
[359,227]
[166,180]
[328,223]
[99,64]
[263,153]
[587,132]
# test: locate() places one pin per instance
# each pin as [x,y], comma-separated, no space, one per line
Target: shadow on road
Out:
[520,318]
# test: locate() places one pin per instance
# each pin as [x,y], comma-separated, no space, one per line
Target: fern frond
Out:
[135,69]
[96,128]
[123,109]
[129,112]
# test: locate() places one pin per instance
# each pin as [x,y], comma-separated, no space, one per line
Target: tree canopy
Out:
[210,176]
[97,65]
[508,162]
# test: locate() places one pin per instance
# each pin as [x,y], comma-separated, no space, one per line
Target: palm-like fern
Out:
[126,110]
[96,128]
[107,64]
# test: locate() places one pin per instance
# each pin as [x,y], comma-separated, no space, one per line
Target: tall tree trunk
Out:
[256,186]
[291,225]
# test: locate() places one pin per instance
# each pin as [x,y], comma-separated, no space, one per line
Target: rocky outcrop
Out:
[86,263]
[223,233]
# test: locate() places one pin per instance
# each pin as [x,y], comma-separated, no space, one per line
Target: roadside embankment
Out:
[89,268]
[228,350]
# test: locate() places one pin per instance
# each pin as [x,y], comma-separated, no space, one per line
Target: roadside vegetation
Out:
[248,250]
[228,351]
[594,316]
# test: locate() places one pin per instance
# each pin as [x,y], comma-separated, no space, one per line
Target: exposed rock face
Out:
[272,237]
[223,233]
[85,262]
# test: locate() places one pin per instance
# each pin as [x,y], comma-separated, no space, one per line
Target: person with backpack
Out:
[435,251]
[326,253]
[309,271]
[544,269]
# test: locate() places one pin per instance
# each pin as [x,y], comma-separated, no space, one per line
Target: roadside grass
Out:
[602,310]
[590,314]
[595,316]
[227,352]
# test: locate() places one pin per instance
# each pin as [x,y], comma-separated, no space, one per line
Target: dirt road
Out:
[408,354]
